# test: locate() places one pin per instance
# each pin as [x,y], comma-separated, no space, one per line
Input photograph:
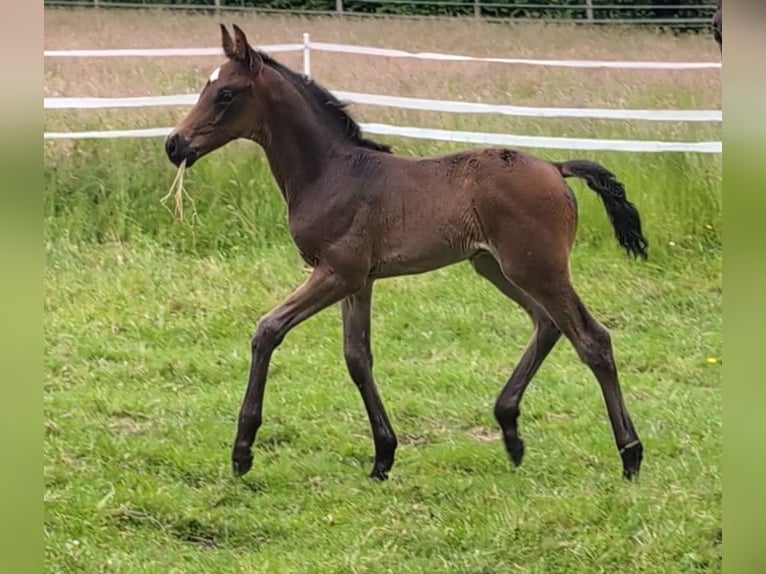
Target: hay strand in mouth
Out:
[177,191]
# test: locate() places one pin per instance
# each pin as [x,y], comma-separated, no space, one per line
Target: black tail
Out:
[622,213]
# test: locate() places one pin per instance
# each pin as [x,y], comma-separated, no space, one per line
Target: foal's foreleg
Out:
[544,338]
[320,290]
[358,354]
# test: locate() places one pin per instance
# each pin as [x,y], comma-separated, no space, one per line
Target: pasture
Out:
[148,324]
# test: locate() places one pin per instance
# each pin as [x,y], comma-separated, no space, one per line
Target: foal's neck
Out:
[298,145]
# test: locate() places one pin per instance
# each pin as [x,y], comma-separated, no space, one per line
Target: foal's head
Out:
[228,106]
[239,96]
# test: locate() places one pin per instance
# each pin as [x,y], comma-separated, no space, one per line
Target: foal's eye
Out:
[224,97]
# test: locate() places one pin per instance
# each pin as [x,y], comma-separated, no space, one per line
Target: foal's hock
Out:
[358,213]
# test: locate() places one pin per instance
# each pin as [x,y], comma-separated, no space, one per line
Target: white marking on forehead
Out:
[214,75]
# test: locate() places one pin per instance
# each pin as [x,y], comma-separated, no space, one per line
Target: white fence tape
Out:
[110,134]
[159,52]
[385,52]
[543,142]
[370,51]
[454,136]
[533,112]
[412,104]
[134,102]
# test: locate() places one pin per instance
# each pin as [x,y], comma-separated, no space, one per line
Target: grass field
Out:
[148,321]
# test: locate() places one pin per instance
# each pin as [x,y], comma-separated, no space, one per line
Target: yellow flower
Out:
[712,360]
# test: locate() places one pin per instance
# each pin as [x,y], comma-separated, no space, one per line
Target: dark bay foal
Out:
[358,213]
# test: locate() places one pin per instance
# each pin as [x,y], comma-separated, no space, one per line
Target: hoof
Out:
[379,474]
[515,447]
[632,455]
[241,461]
[381,468]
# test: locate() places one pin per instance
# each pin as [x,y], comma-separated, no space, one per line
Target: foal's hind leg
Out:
[356,350]
[544,338]
[552,289]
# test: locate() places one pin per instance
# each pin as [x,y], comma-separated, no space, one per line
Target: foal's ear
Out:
[245,53]
[227,43]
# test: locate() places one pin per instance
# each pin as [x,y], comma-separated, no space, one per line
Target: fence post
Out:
[476,9]
[217,6]
[589,10]
[95,3]
[306,55]
[339,6]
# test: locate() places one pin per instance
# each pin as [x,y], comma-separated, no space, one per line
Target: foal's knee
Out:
[267,336]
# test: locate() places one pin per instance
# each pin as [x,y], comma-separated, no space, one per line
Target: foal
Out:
[358,213]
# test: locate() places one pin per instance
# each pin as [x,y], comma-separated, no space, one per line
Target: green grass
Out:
[146,354]
[148,324]
[110,190]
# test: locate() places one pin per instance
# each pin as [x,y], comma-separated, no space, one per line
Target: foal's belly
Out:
[419,258]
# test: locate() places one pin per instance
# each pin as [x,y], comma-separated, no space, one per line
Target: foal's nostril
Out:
[171,145]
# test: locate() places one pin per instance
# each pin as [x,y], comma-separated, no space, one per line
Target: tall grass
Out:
[110,191]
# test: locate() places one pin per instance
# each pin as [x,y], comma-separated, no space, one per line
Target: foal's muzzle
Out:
[178,149]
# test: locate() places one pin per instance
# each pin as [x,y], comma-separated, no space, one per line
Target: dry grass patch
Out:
[471,81]
[121,28]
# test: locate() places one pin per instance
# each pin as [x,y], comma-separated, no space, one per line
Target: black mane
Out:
[334,110]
